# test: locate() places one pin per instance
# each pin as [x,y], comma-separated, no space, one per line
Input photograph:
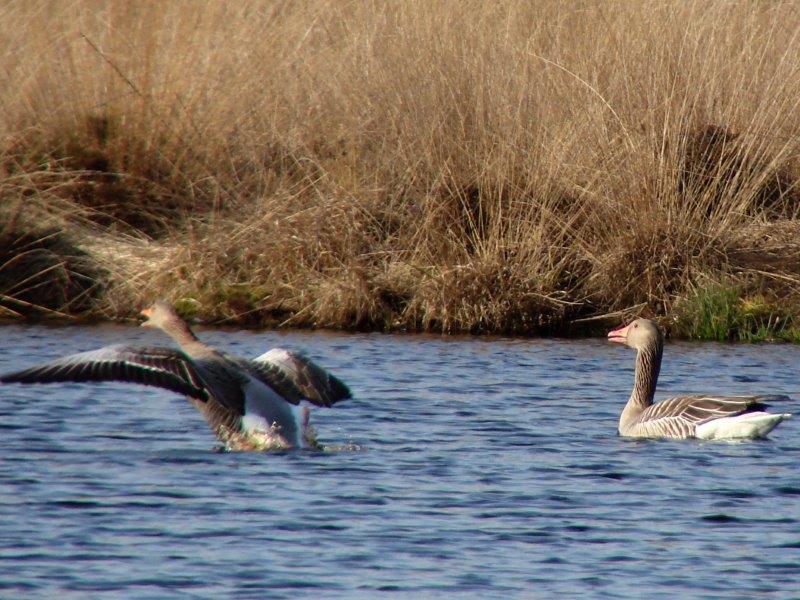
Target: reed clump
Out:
[449,166]
[43,270]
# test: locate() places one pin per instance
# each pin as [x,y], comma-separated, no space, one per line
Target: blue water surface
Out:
[464,467]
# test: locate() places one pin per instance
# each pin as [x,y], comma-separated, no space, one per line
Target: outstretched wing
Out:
[160,367]
[297,377]
[695,410]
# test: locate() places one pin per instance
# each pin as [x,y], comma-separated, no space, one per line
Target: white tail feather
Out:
[746,426]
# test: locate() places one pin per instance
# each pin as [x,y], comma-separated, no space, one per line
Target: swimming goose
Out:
[250,404]
[704,417]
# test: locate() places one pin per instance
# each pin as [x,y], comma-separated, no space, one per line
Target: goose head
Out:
[639,334]
[160,315]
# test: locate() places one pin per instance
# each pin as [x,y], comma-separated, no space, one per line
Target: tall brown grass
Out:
[457,165]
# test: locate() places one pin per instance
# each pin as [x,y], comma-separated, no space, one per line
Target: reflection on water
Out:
[465,466]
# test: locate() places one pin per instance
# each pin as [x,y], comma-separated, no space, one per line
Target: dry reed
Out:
[455,166]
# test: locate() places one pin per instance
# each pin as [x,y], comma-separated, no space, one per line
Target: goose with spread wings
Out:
[696,416]
[250,404]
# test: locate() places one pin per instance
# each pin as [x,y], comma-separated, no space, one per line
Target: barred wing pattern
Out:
[297,377]
[155,366]
[679,417]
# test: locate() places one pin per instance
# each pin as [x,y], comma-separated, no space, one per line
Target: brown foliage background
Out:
[458,165]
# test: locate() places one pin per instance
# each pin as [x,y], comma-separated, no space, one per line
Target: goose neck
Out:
[648,365]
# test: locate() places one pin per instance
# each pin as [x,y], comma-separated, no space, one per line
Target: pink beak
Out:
[620,336]
[146,313]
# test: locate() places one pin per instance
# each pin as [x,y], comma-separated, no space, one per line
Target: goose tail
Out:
[747,426]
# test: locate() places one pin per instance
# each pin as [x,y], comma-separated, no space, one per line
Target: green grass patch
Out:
[722,312]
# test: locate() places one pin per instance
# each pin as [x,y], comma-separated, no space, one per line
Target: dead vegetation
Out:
[451,166]
[43,271]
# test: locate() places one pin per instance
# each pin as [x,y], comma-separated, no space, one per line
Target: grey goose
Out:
[250,404]
[697,416]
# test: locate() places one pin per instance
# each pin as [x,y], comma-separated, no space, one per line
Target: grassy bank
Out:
[448,166]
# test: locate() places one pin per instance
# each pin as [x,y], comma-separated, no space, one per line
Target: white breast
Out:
[266,411]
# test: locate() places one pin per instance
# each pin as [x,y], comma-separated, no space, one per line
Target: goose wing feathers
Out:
[297,377]
[699,409]
[160,367]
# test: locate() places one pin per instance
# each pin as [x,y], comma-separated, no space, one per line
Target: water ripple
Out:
[468,467]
